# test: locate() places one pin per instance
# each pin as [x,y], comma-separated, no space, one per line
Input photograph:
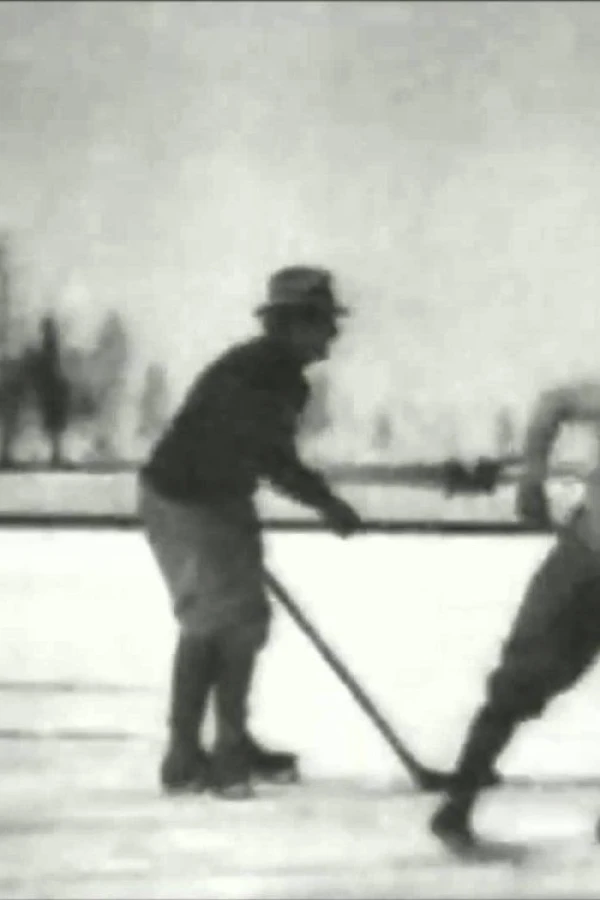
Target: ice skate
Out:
[451,826]
[184,771]
[276,767]
[230,773]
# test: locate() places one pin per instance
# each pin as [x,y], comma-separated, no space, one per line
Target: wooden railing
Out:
[40,501]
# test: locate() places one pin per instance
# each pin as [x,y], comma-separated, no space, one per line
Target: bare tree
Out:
[154,402]
[107,369]
[50,387]
[13,366]
[5,298]
[383,432]
[13,397]
[506,433]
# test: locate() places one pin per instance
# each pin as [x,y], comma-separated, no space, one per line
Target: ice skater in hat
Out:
[555,637]
[236,426]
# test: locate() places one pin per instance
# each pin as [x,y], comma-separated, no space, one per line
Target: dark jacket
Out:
[237,426]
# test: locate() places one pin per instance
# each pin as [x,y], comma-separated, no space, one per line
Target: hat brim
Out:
[335,311]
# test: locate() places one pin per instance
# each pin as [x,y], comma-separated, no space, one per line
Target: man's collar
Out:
[283,351]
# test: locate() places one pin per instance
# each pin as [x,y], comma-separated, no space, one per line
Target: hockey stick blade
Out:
[427,779]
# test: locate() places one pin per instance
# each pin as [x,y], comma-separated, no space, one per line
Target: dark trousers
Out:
[222,662]
[552,643]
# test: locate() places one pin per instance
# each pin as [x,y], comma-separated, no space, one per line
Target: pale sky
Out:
[163,157]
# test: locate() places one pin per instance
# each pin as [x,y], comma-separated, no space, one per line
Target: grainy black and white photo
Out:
[299,449]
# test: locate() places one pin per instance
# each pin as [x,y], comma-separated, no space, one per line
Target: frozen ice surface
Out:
[85,623]
[88,823]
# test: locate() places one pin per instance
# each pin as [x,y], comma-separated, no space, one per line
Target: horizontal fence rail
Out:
[499,470]
[370,526]
[72,734]
[449,479]
[71,687]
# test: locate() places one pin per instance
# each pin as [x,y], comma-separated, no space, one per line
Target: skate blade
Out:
[289,776]
[234,792]
[192,787]
[484,851]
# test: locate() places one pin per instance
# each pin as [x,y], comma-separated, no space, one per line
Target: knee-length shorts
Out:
[211,558]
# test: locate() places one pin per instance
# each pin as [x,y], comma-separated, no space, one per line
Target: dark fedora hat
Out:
[302,288]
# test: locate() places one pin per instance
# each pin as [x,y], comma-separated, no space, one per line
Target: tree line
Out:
[56,388]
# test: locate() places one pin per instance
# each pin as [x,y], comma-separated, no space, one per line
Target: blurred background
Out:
[159,159]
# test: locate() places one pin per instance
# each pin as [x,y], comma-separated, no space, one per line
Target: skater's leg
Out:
[237,651]
[553,641]
[185,764]
[489,733]
[211,561]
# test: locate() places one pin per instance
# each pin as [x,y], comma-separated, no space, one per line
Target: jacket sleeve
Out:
[268,431]
[286,471]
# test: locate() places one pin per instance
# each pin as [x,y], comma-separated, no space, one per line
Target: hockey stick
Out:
[427,779]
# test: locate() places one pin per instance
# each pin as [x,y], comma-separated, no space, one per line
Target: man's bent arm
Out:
[267,438]
[571,403]
[286,472]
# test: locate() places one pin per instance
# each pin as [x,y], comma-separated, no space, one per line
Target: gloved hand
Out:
[532,503]
[341,517]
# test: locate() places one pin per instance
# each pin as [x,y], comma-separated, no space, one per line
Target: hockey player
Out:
[236,426]
[556,634]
